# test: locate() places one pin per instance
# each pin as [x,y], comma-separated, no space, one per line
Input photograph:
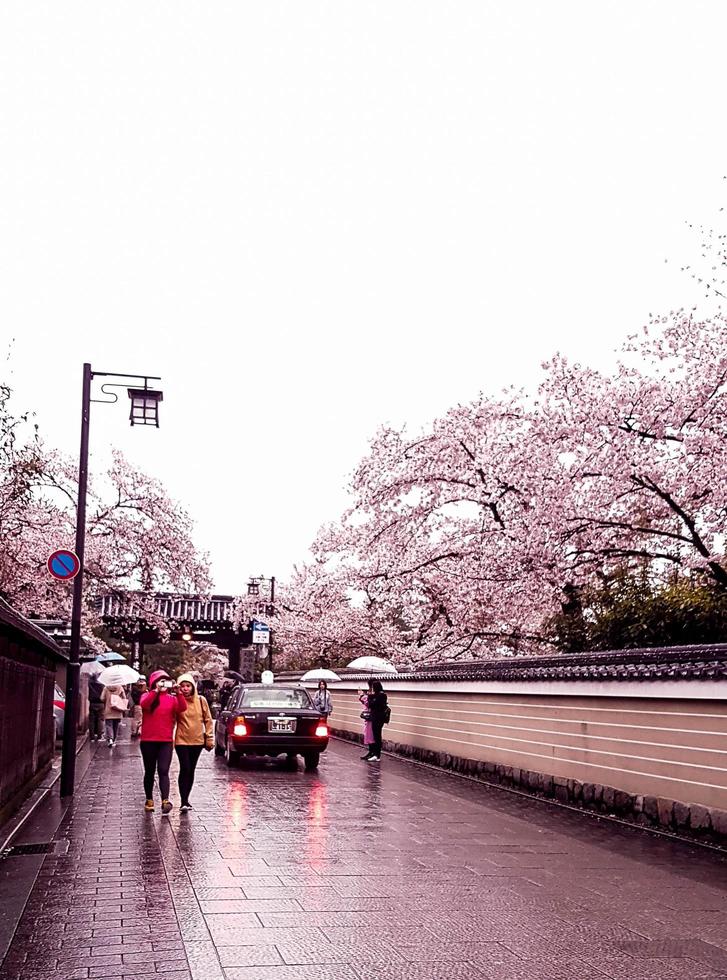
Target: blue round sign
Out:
[64,565]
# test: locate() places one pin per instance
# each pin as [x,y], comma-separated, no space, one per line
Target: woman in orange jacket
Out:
[194,733]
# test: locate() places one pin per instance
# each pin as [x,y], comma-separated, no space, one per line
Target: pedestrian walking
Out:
[194,733]
[322,700]
[225,692]
[161,707]
[95,709]
[136,713]
[377,707]
[115,704]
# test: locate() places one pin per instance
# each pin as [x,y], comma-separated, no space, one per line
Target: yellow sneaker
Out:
[149,806]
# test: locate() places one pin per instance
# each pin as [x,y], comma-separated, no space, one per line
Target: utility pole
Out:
[73,670]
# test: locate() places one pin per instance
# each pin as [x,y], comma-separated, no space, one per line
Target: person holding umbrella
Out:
[374,715]
[113,696]
[321,699]
[114,709]
[161,707]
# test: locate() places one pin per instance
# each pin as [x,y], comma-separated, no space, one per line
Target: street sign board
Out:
[64,565]
[260,632]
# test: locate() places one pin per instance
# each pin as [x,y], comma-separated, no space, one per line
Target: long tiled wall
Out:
[664,740]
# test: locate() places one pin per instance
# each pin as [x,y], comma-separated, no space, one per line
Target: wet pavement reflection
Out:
[359,872]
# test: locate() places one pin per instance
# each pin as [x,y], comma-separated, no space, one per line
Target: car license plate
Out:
[281,724]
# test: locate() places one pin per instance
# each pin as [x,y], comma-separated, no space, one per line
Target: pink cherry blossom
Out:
[137,537]
[461,540]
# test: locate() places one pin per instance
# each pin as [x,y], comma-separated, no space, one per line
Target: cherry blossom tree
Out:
[642,456]
[21,467]
[440,529]
[137,537]
[432,559]
[317,618]
[465,539]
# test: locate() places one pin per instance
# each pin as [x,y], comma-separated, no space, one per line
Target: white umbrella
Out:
[118,676]
[320,674]
[375,664]
[91,667]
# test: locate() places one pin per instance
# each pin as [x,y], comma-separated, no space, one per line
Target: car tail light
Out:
[239,727]
[322,731]
[60,704]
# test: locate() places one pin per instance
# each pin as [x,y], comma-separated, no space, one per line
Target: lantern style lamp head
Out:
[187,634]
[145,406]
[253,586]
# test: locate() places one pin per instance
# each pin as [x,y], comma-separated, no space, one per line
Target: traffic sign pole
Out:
[73,671]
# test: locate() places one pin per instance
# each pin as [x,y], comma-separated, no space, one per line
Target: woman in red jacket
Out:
[160,706]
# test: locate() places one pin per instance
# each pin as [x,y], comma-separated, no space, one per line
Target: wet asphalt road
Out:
[359,872]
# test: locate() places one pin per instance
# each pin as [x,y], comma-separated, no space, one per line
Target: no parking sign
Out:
[64,565]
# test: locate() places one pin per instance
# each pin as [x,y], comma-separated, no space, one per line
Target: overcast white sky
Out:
[312,218]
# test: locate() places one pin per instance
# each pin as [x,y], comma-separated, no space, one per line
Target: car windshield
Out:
[275,697]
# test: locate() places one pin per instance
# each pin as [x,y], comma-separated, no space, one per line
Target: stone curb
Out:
[11,827]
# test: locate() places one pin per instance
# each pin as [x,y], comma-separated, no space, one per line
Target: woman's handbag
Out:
[366,715]
[209,740]
[118,703]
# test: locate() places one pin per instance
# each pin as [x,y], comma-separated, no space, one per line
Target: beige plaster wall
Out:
[674,746]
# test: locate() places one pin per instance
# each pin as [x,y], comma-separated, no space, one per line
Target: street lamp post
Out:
[144,411]
[272,607]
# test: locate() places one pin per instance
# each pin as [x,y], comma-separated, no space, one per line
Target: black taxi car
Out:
[271,720]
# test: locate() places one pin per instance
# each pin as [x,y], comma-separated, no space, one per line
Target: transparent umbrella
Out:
[110,658]
[320,674]
[376,665]
[118,675]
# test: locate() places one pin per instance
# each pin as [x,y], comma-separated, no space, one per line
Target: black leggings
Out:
[378,727]
[157,758]
[188,756]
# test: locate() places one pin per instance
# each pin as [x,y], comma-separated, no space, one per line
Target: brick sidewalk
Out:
[359,872]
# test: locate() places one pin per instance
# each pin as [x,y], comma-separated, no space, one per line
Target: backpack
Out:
[387,715]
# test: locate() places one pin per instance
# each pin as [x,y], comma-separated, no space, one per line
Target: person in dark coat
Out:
[225,692]
[135,695]
[376,704]
[95,709]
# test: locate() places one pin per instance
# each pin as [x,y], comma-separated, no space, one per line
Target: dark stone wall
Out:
[27,730]
[685,819]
